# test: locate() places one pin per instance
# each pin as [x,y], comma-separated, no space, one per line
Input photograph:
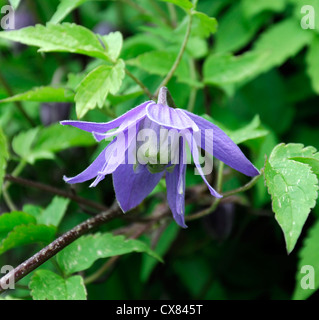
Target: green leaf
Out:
[160,62]
[9,221]
[56,138]
[293,188]
[251,131]
[46,285]
[54,213]
[235,31]
[42,143]
[114,43]
[81,254]
[27,234]
[252,8]
[313,63]
[203,25]
[184,4]
[282,41]
[228,69]
[93,90]
[308,256]
[23,142]
[43,94]
[15,4]
[66,37]
[4,155]
[64,8]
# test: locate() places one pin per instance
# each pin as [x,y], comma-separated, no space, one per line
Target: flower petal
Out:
[222,147]
[169,117]
[116,156]
[194,150]
[130,116]
[131,188]
[92,171]
[175,184]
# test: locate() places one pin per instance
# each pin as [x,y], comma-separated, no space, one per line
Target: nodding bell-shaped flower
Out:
[150,141]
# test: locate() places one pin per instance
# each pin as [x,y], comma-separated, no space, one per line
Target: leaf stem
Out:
[143,87]
[179,56]
[246,187]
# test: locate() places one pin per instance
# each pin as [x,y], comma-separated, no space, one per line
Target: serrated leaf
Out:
[203,25]
[113,43]
[27,234]
[308,256]
[282,41]
[43,94]
[93,90]
[293,188]
[46,285]
[66,37]
[228,69]
[184,4]
[4,155]
[81,254]
[9,221]
[313,63]
[54,213]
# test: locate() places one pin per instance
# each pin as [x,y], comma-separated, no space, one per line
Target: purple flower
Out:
[137,169]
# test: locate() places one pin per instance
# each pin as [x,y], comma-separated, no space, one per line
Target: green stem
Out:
[246,187]
[179,57]
[8,200]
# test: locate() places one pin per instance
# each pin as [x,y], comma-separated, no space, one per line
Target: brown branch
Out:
[56,246]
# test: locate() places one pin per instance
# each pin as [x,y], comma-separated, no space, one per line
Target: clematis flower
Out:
[137,169]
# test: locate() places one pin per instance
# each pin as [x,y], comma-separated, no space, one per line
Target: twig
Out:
[60,243]
[56,191]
